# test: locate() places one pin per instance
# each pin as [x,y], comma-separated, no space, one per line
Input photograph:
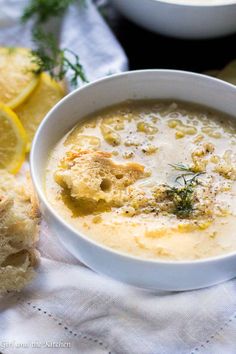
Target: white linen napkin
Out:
[70,309]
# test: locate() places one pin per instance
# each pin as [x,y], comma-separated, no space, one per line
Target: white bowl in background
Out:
[182,19]
[146,84]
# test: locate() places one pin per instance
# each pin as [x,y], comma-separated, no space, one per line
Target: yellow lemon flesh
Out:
[31,112]
[17,77]
[13,140]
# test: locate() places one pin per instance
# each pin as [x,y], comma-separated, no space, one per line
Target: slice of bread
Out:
[19,226]
[93,175]
[17,270]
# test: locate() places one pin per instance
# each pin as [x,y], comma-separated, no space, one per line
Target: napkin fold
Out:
[70,309]
[82,29]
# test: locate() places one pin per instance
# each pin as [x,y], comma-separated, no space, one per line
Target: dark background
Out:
[147,50]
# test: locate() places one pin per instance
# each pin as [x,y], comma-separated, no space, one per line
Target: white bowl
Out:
[149,84]
[183,19]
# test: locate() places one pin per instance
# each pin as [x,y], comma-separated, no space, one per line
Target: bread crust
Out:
[94,176]
[19,230]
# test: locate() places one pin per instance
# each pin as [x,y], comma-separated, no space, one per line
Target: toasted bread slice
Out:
[19,219]
[93,175]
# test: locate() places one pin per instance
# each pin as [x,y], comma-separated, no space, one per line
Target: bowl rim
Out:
[184,3]
[42,195]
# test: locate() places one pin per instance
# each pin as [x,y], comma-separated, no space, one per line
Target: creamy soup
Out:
[154,179]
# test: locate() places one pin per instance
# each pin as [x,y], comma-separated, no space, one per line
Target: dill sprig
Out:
[183,200]
[42,10]
[192,178]
[48,57]
[181,167]
[183,196]
[189,172]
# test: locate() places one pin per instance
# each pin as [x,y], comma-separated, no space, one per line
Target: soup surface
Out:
[155,179]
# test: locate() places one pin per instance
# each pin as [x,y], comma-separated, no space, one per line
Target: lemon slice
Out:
[13,140]
[17,79]
[46,94]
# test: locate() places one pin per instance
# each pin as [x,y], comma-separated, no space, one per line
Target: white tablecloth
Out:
[70,309]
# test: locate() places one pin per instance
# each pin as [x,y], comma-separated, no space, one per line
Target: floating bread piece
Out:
[95,176]
[19,219]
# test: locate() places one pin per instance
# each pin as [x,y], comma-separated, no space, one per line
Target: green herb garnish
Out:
[183,196]
[181,167]
[42,10]
[48,57]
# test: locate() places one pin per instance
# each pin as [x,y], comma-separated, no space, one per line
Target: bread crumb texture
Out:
[91,175]
[19,229]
